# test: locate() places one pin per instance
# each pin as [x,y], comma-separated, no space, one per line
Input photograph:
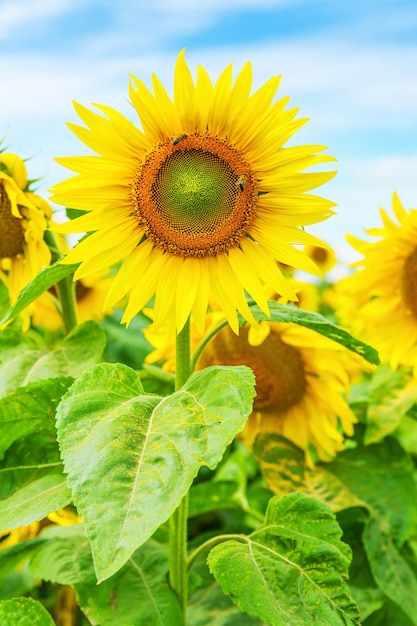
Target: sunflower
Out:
[302,380]
[380,298]
[23,221]
[324,257]
[202,200]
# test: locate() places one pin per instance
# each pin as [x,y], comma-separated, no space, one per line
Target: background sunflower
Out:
[383,288]
[302,383]
[23,221]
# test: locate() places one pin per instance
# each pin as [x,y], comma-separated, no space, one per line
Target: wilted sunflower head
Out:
[23,221]
[203,200]
[383,288]
[302,380]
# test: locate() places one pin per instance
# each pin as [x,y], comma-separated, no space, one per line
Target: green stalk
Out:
[178,576]
[210,543]
[199,349]
[66,294]
[65,287]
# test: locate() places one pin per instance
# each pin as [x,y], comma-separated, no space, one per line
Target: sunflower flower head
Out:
[302,381]
[201,201]
[383,288]
[23,221]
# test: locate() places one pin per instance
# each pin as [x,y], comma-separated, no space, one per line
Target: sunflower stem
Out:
[199,349]
[66,294]
[178,576]
[65,287]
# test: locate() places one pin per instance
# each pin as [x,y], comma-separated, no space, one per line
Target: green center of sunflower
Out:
[409,283]
[194,196]
[12,237]
[278,367]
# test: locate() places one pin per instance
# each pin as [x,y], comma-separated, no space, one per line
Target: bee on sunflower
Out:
[202,201]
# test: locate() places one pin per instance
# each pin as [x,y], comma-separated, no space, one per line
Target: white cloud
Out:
[353,90]
[15,14]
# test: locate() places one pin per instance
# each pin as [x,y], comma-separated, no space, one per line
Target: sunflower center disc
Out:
[409,283]
[195,197]
[12,237]
[278,367]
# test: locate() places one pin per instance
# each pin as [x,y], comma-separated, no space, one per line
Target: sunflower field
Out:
[199,424]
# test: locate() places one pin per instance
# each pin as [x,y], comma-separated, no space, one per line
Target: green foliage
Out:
[389,396]
[22,612]
[125,448]
[131,457]
[319,323]
[292,570]
[33,380]
[379,479]
[46,279]
[137,594]
[15,577]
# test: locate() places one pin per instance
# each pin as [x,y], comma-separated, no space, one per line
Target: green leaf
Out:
[22,362]
[34,501]
[319,323]
[126,345]
[406,433]
[283,466]
[226,393]
[208,606]
[144,578]
[12,561]
[131,457]
[18,353]
[30,408]
[389,614]
[293,570]
[81,348]
[389,493]
[32,484]
[68,561]
[391,572]
[65,559]
[46,278]
[211,496]
[392,396]
[24,611]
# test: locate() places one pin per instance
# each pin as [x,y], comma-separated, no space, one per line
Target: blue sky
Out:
[350,66]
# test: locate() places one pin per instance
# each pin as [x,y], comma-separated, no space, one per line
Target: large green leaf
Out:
[81,348]
[24,611]
[391,572]
[382,475]
[46,278]
[131,457]
[22,361]
[319,323]
[30,408]
[32,483]
[18,353]
[68,561]
[283,466]
[209,606]
[34,501]
[293,570]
